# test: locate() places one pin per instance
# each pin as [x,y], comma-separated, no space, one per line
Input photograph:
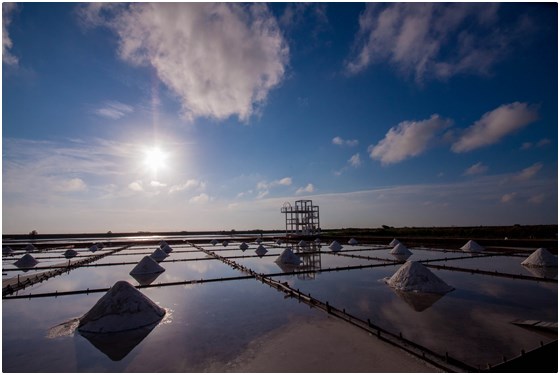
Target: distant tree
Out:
[33,233]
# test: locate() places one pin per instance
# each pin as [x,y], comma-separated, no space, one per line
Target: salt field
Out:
[261,307]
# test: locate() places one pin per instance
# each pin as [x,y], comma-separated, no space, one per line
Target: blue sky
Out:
[210,116]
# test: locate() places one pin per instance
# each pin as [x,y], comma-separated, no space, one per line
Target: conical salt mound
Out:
[317,240]
[414,276]
[93,248]
[30,247]
[146,266]
[243,246]
[352,241]
[541,258]
[335,246]
[225,243]
[279,242]
[258,240]
[100,245]
[214,242]
[302,243]
[395,242]
[167,249]
[7,250]
[261,250]
[158,255]
[26,261]
[70,253]
[162,244]
[122,308]
[288,257]
[400,249]
[472,247]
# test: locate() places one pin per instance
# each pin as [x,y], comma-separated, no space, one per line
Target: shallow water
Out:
[209,325]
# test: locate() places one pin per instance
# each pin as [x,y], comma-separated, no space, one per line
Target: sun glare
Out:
[155,159]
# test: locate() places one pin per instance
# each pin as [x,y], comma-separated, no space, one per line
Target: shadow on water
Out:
[418,301]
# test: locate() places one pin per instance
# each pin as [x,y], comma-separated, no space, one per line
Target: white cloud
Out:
[529,172]
[114,110]
[189,184]
[543,142]
[308,189]
[432,40]
[495,125]
[136,186]
[407,139]
[508,197]
[344,142]
[477,168]
[200,199]
[526,146]
[220,59]
[262,194]
[355,160]
[536,199]
[157,184]
[71,185]
[265,185]
[8,10]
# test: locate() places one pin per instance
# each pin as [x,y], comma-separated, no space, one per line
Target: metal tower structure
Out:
[301,219]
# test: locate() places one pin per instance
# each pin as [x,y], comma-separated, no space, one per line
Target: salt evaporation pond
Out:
[212,326]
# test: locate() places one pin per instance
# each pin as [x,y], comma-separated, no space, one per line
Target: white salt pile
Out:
[122,308]
[26,261]
[243,246]
[167,249]
[335,246]
[541,258]
[162,244]
[395,242]
[400,249]
[93,248]
[258,240]
[414,276]
[30,247]
[318,241]
[158,255]
[100,245]
[279,242]
[261,250]
[225,243]
[288,257]
[302,243]
[147,266]
[352,241]
[70,253]
[214,242]
[472,247]
[7,250]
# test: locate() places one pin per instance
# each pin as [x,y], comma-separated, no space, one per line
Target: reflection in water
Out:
[547,272]
[146,279]
[310,255]
[418,301]
[402,257]
[117,345]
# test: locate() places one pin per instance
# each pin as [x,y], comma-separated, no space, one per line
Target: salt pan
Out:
[30,247]
[147,266]
[122,308]
[279,242]
[288,257]
[335,246]
[395,242]
[414,276]
[472,247]
[302,243]
[541,258]
[318,241]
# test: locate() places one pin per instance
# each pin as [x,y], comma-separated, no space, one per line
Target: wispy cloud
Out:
[200,199]
[307,189]
[407,139]
[506,198]
[344,142]
[247,37]
[188,185]
[136,186]
[71,185]
[263,187]
[157,184]
[8,10]
[529,172]
[495,125]
[528,145]
[355,160]
[537,199]
[416,39]
[477,168]
[114,110]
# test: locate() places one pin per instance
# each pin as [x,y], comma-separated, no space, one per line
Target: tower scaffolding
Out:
[303,219]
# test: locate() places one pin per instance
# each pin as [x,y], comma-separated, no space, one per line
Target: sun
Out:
[155,159]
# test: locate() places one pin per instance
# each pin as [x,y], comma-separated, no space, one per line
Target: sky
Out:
[184,116]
